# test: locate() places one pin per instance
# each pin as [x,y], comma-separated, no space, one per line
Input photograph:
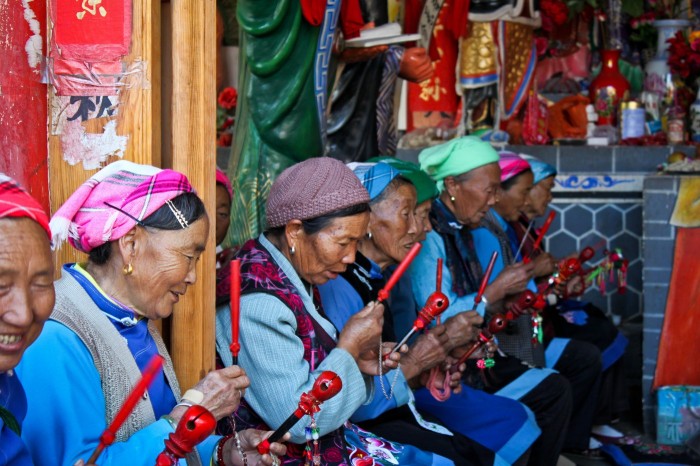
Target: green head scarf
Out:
[455,157]
[426,188]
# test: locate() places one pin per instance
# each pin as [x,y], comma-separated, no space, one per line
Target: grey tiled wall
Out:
[659,238]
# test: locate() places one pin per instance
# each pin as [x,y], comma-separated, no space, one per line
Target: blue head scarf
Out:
[375,177]
[540,169]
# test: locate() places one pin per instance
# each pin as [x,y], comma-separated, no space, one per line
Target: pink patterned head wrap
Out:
[223,180]
[16,202]
[511,165]
[132,191]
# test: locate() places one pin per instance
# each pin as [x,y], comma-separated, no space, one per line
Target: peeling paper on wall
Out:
[91,149]
[65,109]
[33,46]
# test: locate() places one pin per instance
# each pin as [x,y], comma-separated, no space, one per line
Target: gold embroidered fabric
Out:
[478,56]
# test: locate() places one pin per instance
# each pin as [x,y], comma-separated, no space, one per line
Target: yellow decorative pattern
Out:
[518,50]
[478,52]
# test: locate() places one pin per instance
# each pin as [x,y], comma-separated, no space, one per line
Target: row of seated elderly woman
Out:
[309,287]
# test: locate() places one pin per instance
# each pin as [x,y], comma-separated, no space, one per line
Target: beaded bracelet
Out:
[219,450]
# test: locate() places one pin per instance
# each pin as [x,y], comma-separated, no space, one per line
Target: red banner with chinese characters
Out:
[91,30]
[434,102]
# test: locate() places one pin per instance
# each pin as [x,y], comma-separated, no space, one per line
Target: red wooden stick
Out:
[235,301]
[384,292]
[107,437]
[543,231]
[485,280]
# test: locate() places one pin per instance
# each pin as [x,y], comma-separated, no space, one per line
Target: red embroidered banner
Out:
[91,30]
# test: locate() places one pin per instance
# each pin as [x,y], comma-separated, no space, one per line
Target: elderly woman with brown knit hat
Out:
[317,212]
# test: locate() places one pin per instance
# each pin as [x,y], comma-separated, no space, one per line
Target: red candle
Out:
[543,231]
[107,437]
[235,307]
[384,292]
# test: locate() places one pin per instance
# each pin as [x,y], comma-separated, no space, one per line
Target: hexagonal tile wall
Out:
[602,226]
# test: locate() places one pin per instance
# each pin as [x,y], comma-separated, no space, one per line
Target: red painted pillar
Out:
[23,96]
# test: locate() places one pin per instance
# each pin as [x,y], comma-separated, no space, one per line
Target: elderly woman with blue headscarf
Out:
[578,361]
[468,177]
[568,318]
[485,429]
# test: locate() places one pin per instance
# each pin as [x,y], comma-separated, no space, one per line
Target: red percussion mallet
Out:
[109,434]
[235,304]
[496,324]
[326,386]
[540,237]
[383,294]
[195,425]
[435,305]
[485,281]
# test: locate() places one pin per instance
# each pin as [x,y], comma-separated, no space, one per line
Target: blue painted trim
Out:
[478,82]
[590,182]
[324,51]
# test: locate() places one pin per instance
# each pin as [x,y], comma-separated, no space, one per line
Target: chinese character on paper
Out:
[91,6]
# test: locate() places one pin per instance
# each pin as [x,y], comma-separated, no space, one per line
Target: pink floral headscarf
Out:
[113,201]
[511,165]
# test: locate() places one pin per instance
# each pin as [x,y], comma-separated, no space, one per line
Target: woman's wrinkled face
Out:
[26,287]
[223,213]
[164,266]
[322,256]
[423,219]
[540,197]
[393,224]
[512,201]
[474,192]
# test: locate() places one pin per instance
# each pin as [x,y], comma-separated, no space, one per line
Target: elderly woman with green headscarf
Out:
[468,177]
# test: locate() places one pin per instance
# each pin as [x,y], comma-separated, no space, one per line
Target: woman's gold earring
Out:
[128,269]
[292,250]
[452,198]
[369,234]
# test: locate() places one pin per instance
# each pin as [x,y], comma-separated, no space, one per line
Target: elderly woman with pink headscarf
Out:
[578,361]
[144,230]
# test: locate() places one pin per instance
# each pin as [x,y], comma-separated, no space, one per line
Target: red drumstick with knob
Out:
[383,294]
[109,434]
[326,386]
[540,237]
[235,305]
[435,305]
[496,324]
[485,280]
[195,425]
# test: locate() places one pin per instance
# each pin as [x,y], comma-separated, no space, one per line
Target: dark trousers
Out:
[580,363]
[613,399]
[399,425]
[550,401]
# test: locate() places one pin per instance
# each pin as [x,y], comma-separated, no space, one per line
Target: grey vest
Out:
[114,362]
